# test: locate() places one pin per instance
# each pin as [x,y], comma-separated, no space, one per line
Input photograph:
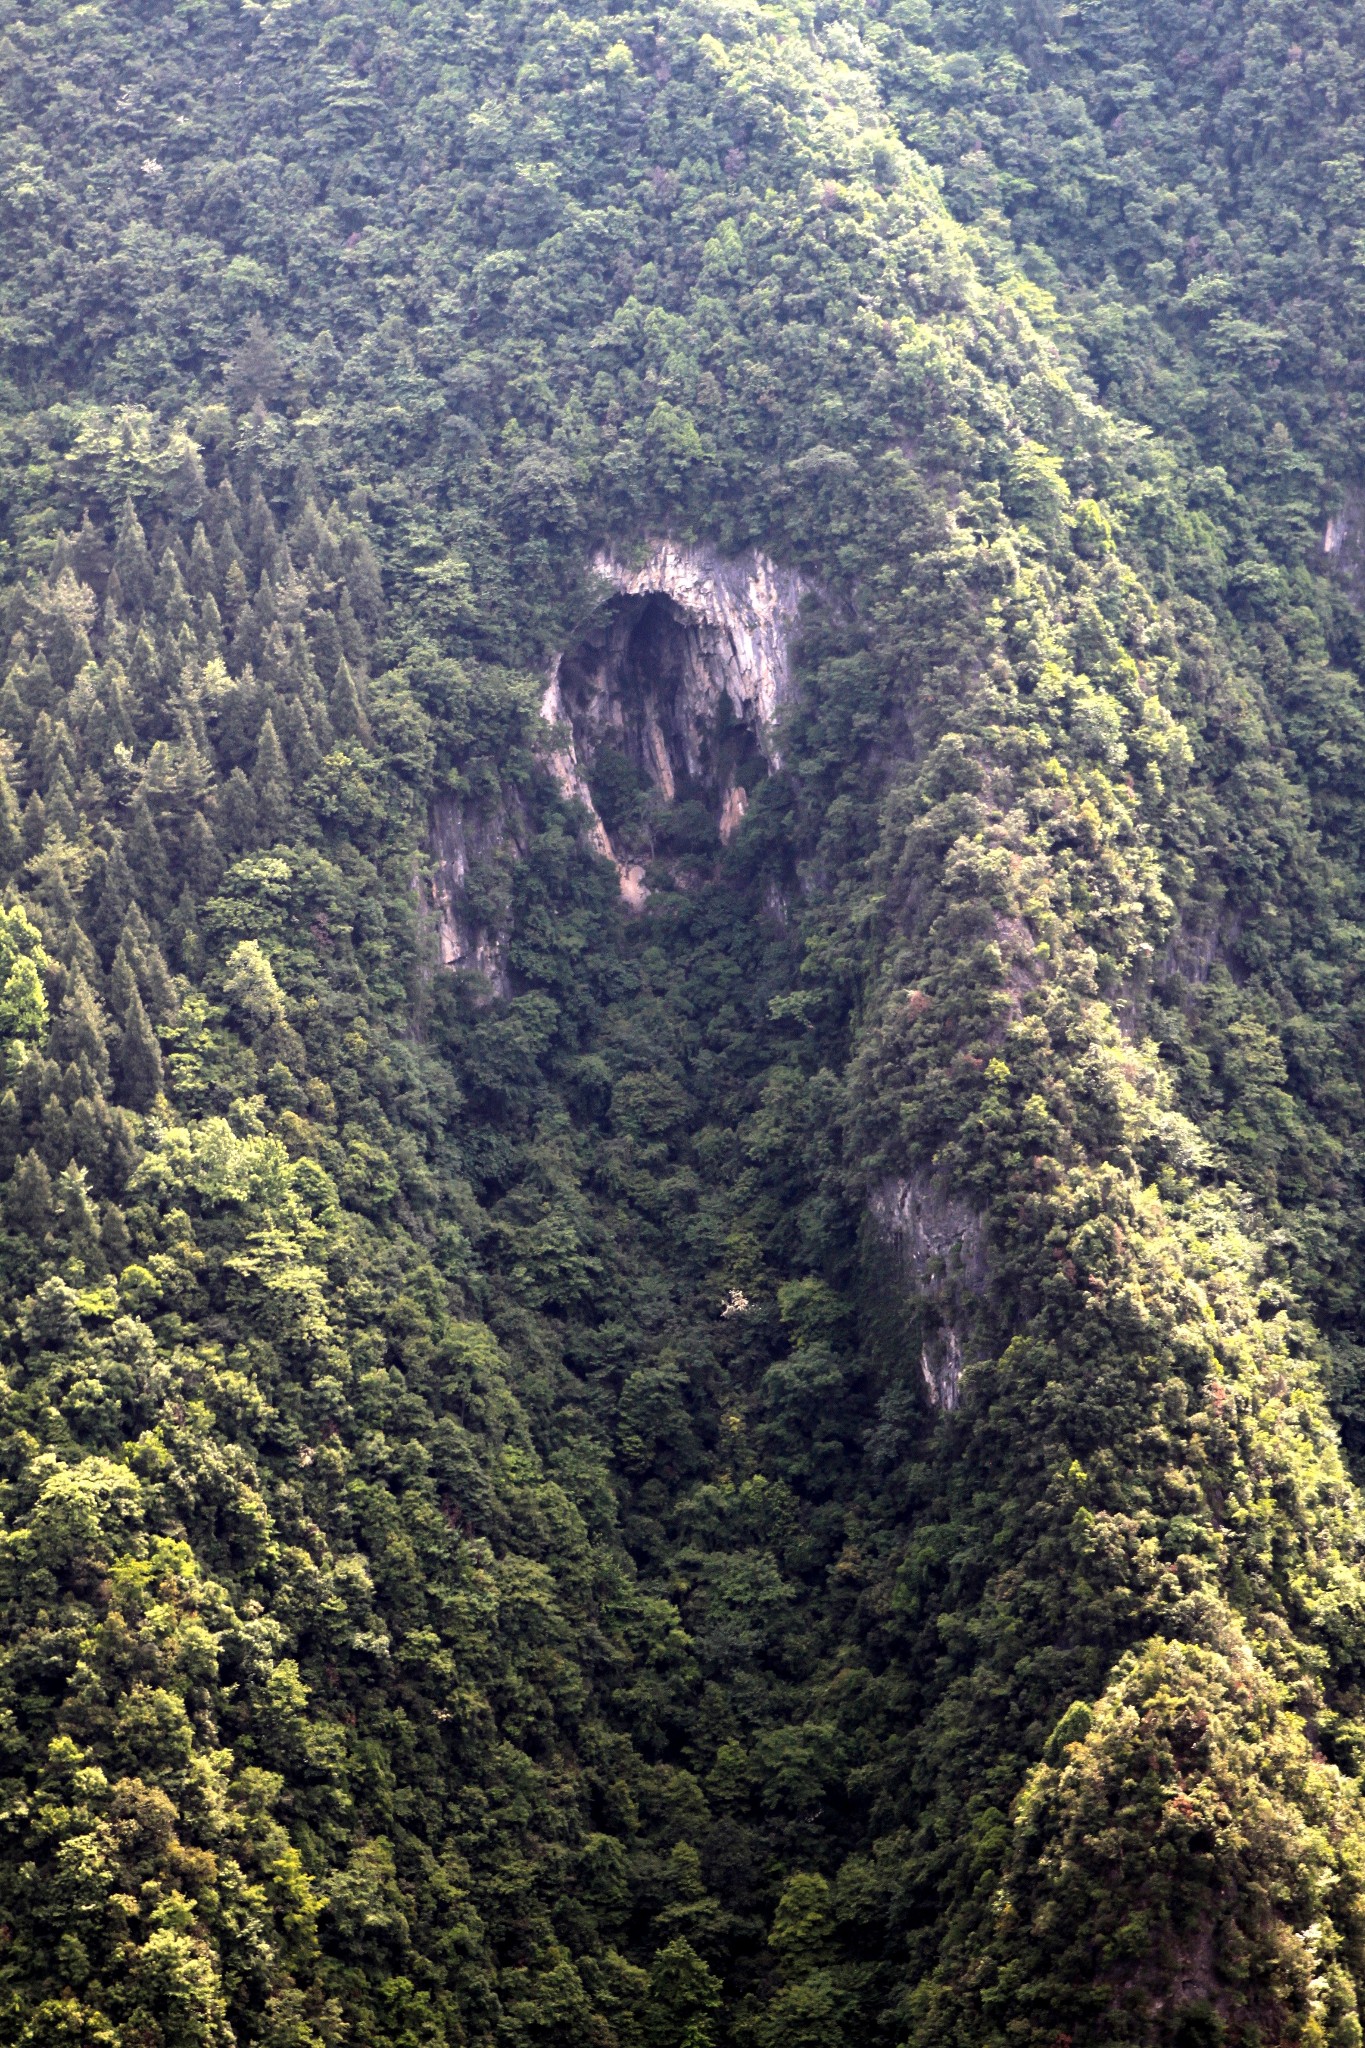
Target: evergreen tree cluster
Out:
[500,1544]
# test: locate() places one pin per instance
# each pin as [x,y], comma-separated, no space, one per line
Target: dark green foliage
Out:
[480,1561]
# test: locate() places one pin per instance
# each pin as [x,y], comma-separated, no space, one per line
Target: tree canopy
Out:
[501,1543]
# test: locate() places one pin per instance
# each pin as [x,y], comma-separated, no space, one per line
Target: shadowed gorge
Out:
[682,1015]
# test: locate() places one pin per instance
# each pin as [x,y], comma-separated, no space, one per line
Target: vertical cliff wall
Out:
[677,686]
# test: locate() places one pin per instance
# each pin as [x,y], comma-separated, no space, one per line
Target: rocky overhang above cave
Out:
[666,710]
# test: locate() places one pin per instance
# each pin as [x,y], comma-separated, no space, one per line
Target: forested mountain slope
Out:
[762,1462]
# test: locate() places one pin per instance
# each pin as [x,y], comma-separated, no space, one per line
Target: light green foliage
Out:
[23,999]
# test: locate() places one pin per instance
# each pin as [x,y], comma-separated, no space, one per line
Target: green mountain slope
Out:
[768,1471]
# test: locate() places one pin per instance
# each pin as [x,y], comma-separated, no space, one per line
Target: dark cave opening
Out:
[669,759]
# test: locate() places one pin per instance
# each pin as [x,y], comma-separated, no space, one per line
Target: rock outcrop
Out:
[1343,544]
[682,676]
[937,1248]
[737,621]
[466,842]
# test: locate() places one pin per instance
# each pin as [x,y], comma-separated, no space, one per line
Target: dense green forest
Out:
[777,1468]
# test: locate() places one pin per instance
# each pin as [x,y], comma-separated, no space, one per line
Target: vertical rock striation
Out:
[683,676]
[937,1247]
[467,843]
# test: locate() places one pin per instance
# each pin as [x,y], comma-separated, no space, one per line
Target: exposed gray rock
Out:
[739,620]
[940,1364]
[684,673]
[939,1240]
[937,1244]
[1194,949]
[462,837]
[1343,543]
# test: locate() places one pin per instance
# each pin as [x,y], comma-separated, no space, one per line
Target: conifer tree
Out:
[194,776]
[227,556]
[173,606]
[202,578]
[14,716]
[114,641]
[308,532]
[296,737]
[237,815]
[55,890]
[246,642]
[363,581]
[60,810]
[155,981]
[81,1030]
[76,1221]
[327,649]
[133,561]
[212,643]
[264,604]
[304,489]
[344,706]
[114,902]
[76,952]
[183,934]
[28,1198]
[203,863]
[114,1240]
[139,1057]
[223,518]
[187,488]
[352,638]
[146,857]
[236,596]
[117,701]
[34,830]
[270,782]
[302,675]
[144,676]
[11,1125]
[272,662]
[40,751]
[38,688]
[262,534]
[68,644]
[54,1130]
[11,843]
[123,977]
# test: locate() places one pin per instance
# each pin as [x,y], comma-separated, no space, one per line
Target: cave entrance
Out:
[668,754]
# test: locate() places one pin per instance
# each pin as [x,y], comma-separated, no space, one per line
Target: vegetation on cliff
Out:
[480,1560]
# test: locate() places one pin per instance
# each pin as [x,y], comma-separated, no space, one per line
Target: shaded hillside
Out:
[755,1460]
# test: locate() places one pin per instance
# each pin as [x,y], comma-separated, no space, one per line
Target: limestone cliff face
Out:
[739,618]
[468,842]
[683,675]
[1343,544]
[937,1248]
